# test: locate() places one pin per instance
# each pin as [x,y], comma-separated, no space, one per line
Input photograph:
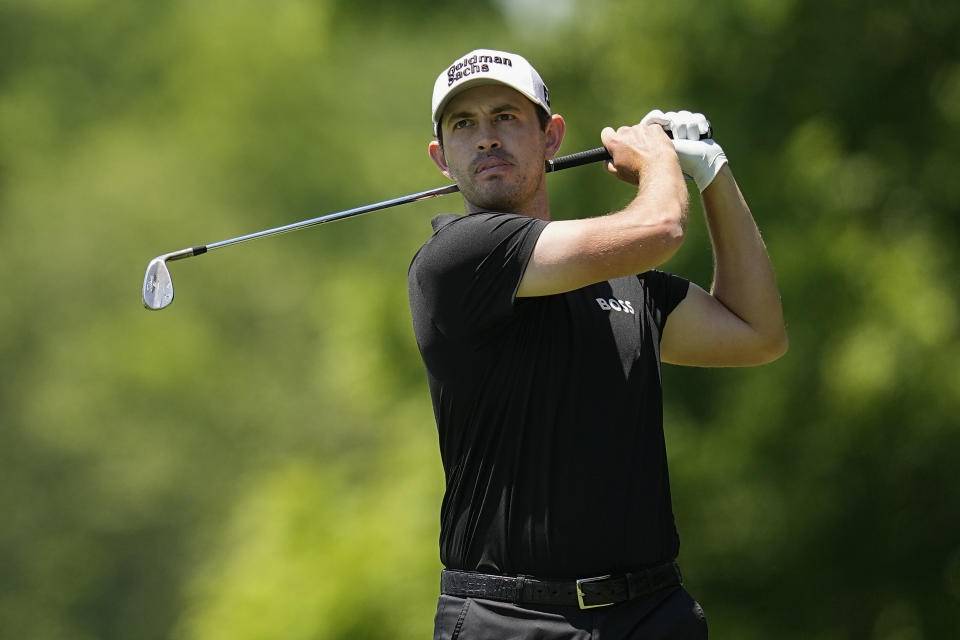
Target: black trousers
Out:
[670,614]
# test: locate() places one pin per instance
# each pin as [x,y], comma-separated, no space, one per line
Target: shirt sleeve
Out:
[465,278]
[664,292]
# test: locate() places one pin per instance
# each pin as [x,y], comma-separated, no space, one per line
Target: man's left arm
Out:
[740,321]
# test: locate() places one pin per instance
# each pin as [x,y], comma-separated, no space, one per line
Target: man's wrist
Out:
[722,180]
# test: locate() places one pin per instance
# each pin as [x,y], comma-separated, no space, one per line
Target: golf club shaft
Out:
[565,162]
[340,215]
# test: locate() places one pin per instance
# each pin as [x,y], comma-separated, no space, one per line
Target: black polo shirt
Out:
[548,409]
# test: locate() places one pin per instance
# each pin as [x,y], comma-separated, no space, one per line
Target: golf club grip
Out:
[595,155]
[578,159]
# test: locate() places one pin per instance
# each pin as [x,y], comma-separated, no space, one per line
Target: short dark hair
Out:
[542,116]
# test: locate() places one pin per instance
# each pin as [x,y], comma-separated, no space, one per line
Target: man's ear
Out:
[439,159]
[554,134]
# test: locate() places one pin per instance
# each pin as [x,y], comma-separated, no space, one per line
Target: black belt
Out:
[585,593]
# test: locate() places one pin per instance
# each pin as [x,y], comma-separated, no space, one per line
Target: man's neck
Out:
[537,207]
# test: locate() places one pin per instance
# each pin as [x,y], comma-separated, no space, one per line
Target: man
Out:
[542,343]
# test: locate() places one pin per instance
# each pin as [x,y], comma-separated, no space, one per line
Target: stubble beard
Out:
[498,194]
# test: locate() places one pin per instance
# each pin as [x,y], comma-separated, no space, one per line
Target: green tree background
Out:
[259,460]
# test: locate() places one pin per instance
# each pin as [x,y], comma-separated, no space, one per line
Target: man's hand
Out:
[699,159]
[638,151]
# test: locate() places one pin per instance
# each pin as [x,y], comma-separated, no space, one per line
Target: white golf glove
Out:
[699,159]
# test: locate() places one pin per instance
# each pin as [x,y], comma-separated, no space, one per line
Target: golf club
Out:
[158,287]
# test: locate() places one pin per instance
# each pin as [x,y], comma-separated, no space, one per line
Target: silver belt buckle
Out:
[580,594]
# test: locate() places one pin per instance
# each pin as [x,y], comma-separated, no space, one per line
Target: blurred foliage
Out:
[259,460]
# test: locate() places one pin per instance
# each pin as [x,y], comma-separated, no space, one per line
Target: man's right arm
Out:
[571,254]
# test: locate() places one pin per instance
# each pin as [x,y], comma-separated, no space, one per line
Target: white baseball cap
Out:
[486,66]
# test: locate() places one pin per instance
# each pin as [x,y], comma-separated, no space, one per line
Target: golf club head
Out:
[157,285]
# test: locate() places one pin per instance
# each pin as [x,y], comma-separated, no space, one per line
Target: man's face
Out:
[493,147]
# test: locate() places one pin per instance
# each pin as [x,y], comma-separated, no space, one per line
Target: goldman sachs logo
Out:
[474,64]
